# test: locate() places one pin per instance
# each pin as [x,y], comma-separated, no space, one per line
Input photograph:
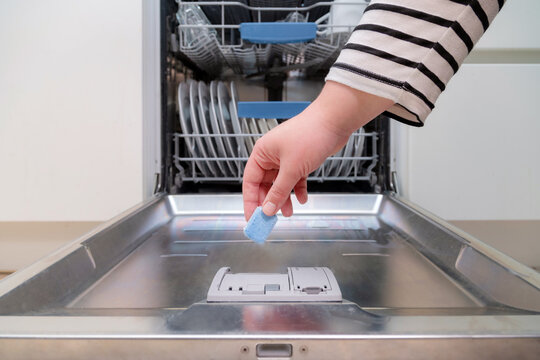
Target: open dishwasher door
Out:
[359,274]
[138,287]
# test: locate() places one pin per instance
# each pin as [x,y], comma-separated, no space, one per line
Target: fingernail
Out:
[269,208]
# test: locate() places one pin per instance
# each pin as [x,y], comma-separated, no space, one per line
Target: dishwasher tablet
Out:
[259,226]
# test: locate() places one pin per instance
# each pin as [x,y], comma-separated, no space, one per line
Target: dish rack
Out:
[220,154]
[248,36]
[324,173]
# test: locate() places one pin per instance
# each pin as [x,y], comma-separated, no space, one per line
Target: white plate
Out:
[316,173]
[224,118]
[247,139]
[204,122]
[214,122]
[253,129]
[347,152]
[358,151]
[220,141]
[327,164]
[236,121]
[332,163]
[272,123]
[185,125]
[263,126]
[199,149]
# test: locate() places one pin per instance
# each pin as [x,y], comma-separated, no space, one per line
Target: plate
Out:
[224,118]
[263,126]
[316,173]
[347,152]
[204,122]
[200,150]
[333,163]
[254,129]
[236,121]
[247,139]
[358,151]
[327,165]
[220,141]
[272,123]
[185,125]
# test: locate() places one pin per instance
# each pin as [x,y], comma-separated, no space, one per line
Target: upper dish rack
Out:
[253,36]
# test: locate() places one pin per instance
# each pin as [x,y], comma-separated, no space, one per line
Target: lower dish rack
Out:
[360,168]
[214,143]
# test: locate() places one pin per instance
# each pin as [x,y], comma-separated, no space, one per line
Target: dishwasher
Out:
[358,272]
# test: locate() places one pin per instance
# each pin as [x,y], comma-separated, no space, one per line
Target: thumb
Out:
[280,191]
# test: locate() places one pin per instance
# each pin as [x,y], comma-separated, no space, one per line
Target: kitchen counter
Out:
[519,239]
[23,243]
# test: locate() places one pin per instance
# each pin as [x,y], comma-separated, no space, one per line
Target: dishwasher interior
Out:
[139,285]
[228,83]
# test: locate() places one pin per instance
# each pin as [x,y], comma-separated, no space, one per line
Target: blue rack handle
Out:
[271,109]
[278,32]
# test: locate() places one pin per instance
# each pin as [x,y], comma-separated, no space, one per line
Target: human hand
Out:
[281,161]
[284,157]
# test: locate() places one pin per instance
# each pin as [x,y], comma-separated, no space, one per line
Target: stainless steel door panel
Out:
[320,349]
[374,266]
[405,275]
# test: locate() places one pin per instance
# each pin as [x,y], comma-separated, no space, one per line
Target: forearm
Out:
[408,50]
[342,109]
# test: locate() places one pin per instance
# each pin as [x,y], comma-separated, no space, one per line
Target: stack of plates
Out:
[343,162]
[218,145]
[219,142]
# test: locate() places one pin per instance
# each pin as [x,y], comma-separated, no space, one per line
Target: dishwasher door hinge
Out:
[394,183]
[157,183]
[373,182]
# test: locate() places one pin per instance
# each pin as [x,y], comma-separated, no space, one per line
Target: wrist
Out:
[343,109]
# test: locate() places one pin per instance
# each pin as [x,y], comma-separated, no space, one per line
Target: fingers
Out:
[300,190]
[253,176]
[287,209]
[256,184]
[280,191]
[264,188]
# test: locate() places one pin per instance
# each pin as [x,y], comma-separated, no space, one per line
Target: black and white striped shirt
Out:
[407,50]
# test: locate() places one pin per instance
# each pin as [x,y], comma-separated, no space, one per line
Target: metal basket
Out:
[221,46]
[361,168]
[246,60]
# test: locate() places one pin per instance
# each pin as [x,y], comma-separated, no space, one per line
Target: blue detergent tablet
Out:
[260,226]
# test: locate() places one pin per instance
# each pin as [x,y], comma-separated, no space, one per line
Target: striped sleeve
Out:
[408,50]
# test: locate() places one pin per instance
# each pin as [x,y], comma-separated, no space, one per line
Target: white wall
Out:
[516,27]
[478,156]
[70,109]
[71,118]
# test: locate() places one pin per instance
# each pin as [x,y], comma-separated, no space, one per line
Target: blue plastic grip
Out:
[278,32]
[271,109]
